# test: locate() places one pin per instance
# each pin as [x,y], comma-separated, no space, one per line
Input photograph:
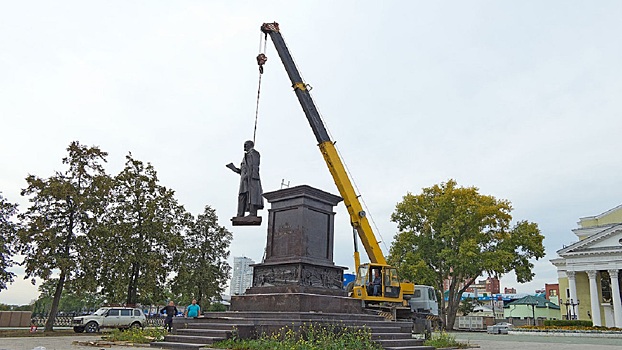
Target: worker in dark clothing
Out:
[170,310]
[377,284]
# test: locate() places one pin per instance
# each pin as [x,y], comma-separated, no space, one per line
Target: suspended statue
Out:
[250,194]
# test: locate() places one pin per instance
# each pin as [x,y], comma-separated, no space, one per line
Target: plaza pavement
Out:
[536,342]
[54,343]
[485,342]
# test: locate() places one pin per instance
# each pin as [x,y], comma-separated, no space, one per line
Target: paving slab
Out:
[485,342]
[515,342]
[56,343]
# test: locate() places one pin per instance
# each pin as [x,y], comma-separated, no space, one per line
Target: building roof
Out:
[534,300]
[601,239]
[601,215]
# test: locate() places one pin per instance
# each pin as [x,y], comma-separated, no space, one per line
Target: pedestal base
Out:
[246,220]
[296,302]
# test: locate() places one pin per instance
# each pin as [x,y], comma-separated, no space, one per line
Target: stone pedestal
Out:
[298,273]
[246,220]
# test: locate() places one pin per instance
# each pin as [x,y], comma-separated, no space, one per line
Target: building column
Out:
[615,290]
[572,284]
[594,299]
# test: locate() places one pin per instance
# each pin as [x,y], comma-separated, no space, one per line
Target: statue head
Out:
[248,145]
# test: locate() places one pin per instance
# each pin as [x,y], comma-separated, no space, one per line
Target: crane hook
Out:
[261,60]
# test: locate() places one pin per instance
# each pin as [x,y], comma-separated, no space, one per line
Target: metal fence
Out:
[66,321]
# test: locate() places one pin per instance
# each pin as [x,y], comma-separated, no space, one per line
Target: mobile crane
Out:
[392,294]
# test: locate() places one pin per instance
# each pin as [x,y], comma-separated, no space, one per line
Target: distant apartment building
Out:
[492,285]
[552,292]
[507,290]
[242,277]
[489,286]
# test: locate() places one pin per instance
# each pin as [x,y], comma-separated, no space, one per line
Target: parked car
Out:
[500,328]
[110,317]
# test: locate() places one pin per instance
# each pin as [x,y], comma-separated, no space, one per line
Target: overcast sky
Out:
[520,99]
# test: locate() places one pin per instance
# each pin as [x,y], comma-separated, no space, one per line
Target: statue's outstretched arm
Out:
[233,168]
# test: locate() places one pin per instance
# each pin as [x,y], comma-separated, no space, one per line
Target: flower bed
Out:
[568,331]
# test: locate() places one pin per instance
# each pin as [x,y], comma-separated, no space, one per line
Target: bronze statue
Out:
[250,194]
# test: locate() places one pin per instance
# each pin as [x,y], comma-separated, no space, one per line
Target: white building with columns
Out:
[589,271]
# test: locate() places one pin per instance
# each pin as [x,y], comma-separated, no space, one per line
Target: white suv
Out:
[110,317]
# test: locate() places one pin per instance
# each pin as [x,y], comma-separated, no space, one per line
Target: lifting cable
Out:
[261,60]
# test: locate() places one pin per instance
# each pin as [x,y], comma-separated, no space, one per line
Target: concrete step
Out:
[420,347]
[173,345]
[291,315]
[373,326]
[386,329]
[392,343]
[193,332]
[214,325]
[205,332]
[237,320]
[192,339]
[392,335]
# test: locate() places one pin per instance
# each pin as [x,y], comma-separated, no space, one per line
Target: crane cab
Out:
[377,283]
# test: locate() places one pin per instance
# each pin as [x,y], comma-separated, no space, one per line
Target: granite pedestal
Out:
[298,272]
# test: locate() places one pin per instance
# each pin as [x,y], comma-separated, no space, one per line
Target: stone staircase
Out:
[197,333]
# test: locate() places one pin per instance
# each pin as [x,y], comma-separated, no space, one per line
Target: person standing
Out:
[250,194]
[193,310]
[170,310]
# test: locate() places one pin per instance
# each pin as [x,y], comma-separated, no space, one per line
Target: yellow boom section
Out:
[357,214]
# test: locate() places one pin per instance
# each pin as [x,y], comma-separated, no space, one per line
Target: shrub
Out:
[308,337]
[137,335]
[216,307]
[581,323]
[444,340]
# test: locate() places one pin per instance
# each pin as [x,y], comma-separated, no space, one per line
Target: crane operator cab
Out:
[376,283]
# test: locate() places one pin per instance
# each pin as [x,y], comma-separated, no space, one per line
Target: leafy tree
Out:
[8,231]
[141,235]
[70,301]
[467,305]
[457,234]
[216,307]
[202,268]
[63,210]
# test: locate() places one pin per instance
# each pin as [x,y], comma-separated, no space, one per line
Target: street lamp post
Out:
[533,312]
[571,311]
[574,311]
[567,304]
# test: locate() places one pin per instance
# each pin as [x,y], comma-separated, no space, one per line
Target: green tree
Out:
[64,209]
[202,268]
[467,305]
[457,234]
[70,301]
[8,232]
[141,235]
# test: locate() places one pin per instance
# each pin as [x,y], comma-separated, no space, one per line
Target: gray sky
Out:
[520,99]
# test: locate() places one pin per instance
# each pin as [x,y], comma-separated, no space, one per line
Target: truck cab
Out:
[424,300]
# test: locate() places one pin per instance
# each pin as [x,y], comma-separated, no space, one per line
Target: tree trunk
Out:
[442,312]
[199,297]
[133,286]
[451,315]
[49,324]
